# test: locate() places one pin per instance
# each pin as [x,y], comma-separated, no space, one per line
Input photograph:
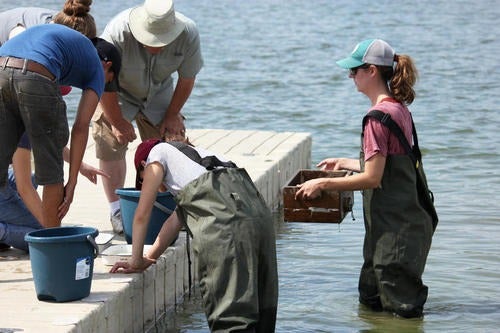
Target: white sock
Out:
[114,206]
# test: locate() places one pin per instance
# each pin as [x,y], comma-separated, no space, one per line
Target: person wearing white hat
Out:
[155,42]
[398,221]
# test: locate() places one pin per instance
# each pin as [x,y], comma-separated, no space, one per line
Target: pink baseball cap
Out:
[141,154]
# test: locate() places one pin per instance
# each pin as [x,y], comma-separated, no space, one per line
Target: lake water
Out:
[270,65]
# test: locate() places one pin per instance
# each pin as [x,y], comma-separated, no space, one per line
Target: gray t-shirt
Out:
[179,169]
[146,82]
[25,16]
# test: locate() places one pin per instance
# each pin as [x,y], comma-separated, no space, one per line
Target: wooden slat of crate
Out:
[331,206]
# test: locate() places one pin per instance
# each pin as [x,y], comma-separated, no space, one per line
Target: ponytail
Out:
[404,78]
[75,15]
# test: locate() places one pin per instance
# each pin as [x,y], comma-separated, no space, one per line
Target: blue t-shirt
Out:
[65,52]
[24,142]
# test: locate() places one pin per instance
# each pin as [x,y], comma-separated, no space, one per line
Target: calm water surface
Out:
[269,65]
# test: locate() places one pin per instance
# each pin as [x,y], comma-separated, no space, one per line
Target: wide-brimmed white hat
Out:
[156,23]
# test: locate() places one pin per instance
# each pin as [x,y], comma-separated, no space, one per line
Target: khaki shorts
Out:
[107,147]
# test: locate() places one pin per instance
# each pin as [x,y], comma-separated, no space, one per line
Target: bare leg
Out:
[52,197]
[117,170]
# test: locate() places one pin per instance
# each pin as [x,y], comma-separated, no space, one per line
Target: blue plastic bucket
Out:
[164,206]
[62,262]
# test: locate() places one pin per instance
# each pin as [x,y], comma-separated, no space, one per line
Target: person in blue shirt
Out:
[32,66]
[21,205]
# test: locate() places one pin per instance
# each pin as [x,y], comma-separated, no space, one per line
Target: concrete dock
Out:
[135,302]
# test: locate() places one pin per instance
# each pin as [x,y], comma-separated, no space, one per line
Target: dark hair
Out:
[401,79]
[75,15]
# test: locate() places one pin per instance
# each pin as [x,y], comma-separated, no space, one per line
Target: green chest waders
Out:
[397,241]
[234,241]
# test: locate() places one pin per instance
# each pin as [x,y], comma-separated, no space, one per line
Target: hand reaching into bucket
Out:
[128,267]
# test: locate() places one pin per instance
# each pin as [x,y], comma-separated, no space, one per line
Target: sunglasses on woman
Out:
[354,71]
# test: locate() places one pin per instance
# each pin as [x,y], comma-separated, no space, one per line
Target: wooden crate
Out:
[331,206]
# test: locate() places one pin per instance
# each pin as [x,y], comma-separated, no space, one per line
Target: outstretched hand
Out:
[91,173]
[342,163]
[127,267]
[330,164]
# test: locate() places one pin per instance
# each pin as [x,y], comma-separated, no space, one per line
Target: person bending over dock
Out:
[232,229]
[32,66]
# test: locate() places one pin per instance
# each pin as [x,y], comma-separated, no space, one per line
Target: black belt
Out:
[26,64]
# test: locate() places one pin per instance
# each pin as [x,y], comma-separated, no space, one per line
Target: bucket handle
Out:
[94,244]
[162,207]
